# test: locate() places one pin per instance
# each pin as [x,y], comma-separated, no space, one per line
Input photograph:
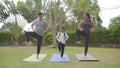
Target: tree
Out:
[11,8]
[15,29]
[81,6]
[55,15]
[57,11]
[4,13]
[114,27]
[16,32]
[94,10]
[27,10]
[38,5]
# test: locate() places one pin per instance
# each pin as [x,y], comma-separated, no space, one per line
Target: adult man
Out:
[39,28]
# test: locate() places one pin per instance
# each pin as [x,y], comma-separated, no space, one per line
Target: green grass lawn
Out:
[10,57]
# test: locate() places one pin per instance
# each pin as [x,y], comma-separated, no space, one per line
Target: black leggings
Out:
[61,47]
[28,35]
[86,34]
[38,37]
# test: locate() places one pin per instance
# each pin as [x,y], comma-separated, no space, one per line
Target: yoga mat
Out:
[57,58]
[33,58]
[88,57]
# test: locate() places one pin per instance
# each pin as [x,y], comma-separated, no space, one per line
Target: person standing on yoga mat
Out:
[84,29]
[39,29]
[61,37]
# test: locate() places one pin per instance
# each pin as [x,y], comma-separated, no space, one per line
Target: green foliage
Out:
[22,37]
[16,32]
[100,35]
[70,26]
[5,36]
[48,37]
[79,7]
[3,12]
[27,10]
[72,38]
[114,27]
[38,5]
[56,12]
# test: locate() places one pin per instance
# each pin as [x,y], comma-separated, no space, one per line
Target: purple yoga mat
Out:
[57,58]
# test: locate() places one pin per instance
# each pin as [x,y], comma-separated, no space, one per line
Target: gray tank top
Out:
[86,25]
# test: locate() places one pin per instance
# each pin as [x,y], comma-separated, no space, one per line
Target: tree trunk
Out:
[16,19]
[53,36]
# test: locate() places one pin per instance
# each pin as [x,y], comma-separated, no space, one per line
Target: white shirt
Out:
[62,37]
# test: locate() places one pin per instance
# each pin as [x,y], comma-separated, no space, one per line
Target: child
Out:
[62,36]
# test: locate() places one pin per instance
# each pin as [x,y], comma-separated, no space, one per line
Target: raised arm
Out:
[66,36]
[48,27]
[57,36]
[80,25]
[32,26]
[94,26]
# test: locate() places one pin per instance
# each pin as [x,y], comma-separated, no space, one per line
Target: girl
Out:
[85,29]
[62,36]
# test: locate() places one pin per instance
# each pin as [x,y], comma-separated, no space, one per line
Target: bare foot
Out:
[37,56]
[62,57]
[29,44]
[78,42]
[59,52]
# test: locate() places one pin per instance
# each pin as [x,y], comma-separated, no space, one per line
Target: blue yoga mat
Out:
[57,58]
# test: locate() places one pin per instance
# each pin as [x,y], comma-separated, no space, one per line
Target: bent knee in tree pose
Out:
[61,37]
[84,28]
[39,29]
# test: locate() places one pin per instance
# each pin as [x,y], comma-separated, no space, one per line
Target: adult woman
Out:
[85,29]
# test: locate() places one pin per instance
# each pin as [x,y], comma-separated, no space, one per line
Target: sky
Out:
[109,10]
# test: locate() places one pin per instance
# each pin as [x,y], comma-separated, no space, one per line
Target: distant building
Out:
[3,27]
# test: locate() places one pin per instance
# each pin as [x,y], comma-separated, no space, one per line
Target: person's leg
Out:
[28,35]
[87,37]
[79,33]
[39,43]
[62,49]
[59,47]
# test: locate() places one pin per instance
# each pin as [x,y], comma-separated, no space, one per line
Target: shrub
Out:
[5,36]
[48,37]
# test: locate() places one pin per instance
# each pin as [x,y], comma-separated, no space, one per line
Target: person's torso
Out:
[86,25]
[62,37]
[40,26]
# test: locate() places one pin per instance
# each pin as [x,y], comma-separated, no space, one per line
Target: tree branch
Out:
[62,20]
